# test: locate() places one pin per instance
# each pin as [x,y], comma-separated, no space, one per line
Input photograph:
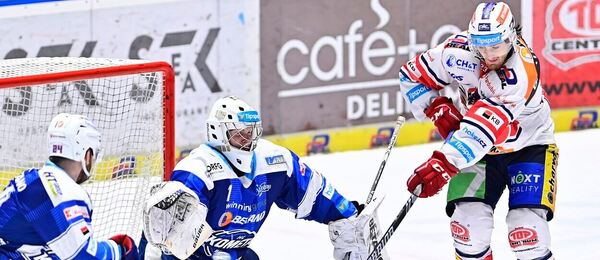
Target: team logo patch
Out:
[571,33]
[522,237]
[484,27]
[75,211]
[228,239]
[491,117]
[225,219]
[277,159]
[52,183]
[85,230]
[460,232]
[328,191]
[262,188]
[302,169]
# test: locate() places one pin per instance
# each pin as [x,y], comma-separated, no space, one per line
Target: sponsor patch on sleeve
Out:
[328,191]
[462,148]
[417,92]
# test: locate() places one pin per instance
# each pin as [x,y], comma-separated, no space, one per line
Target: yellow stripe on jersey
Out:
[550,180]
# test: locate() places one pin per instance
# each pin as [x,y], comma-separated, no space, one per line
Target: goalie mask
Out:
[70,136]
[234,127]
[492,32]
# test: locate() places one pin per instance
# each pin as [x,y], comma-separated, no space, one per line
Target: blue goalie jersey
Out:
[238,206]
[44,214]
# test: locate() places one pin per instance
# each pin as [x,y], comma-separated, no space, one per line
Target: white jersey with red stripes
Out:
[492,102]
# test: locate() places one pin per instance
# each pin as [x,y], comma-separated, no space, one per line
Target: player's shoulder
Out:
[522,58]
[207,164]
[49,182]
[456,44]
[271,157]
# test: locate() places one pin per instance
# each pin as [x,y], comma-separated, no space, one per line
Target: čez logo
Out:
[456,77]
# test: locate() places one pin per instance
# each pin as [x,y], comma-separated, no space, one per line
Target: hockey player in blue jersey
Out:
[220,195]
[46,214]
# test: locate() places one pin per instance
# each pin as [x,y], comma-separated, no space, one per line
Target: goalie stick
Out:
[399,123]
[390,231]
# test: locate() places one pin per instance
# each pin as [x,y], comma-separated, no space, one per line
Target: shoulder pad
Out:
[459,41]
[271,158]
[60,187]
[207,165]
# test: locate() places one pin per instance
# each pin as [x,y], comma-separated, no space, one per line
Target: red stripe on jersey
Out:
[425,79]
[489,116]
[412,76]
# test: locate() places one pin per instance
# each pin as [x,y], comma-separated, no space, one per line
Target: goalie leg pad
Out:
[471,226]
[175,220]
[528,233]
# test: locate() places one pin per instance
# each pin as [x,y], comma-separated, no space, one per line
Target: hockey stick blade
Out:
[374,255]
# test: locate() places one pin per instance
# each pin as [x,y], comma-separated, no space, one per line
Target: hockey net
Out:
[131,102]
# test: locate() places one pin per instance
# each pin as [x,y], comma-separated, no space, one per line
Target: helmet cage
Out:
[248,133]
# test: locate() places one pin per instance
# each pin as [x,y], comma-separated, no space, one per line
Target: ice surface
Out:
[425,234]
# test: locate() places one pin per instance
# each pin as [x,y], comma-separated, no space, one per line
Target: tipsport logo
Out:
[462,148]
[571,33]
[249,117]
[416,92]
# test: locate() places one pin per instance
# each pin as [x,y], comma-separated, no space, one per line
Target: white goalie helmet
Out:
[491,24]
[234,127]
[70,136]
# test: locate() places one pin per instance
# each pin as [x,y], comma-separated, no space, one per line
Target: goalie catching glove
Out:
[175,220]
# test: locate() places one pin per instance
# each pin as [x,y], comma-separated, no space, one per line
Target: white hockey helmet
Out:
[229,117]
[491,24]
[70,136]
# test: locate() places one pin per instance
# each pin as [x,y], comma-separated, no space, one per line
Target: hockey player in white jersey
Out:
[501,135]
[220,195]
[46,214]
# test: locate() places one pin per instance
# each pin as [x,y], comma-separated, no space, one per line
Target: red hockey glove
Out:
[128,248]
[432,175]
[445,115]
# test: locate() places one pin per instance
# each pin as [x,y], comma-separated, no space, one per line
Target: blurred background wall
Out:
[322,73]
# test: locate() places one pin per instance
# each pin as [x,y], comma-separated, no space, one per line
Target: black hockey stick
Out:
[390,231]
[399,123]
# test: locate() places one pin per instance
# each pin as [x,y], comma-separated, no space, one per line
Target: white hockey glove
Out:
[351,235]
[174,219]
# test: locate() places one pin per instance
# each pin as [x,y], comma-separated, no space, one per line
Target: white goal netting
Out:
[129,100]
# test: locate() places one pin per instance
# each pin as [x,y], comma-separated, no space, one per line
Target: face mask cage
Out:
[243,136]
